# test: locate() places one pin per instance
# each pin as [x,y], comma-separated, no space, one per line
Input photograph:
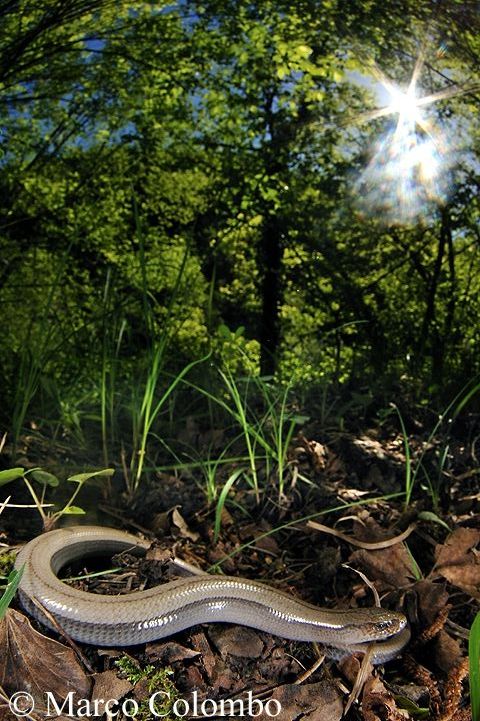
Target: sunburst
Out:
[407,171]
[408,104]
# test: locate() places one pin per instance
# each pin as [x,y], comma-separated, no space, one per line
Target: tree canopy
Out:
[215,175]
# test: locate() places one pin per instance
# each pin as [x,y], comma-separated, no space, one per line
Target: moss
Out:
[157,680]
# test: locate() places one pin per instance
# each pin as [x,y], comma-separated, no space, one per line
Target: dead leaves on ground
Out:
[32,662]
[222,661]
[458,562]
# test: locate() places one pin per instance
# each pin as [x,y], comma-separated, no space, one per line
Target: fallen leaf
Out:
[268,544]
[320,701]
[316,452]
[457,562]
[192,678]
[238,641]
[431,598]
[391,565]
[411,694]
[278,665]
[182,526]
[169,652]
[155,553]
[32,662]
[200,642]
[377,702]
[107,685]
[447,651]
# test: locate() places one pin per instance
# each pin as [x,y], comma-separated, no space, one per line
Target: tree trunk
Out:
[270,259]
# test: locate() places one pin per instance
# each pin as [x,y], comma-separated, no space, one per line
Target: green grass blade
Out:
[221,501]
[474,661]
[466,398]
[10,591]
[409,480]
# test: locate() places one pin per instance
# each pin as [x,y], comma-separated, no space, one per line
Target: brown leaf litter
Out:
[32,662]
[220,661]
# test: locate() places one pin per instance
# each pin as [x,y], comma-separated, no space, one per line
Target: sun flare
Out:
[404,105]
[408,169]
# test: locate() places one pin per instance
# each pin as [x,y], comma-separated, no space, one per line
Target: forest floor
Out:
[338,533]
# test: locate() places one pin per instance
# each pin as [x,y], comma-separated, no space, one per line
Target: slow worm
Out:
[166,609]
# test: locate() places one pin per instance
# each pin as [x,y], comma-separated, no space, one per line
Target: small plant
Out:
[412,472]
[209,466]
[39,346]
[157,681]
[47,480]
[267,433]
[148,396]
[148,410]
[222,499]
[7,559]
[14,575]
[112,335]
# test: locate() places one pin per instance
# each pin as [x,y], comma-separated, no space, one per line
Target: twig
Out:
[369,546]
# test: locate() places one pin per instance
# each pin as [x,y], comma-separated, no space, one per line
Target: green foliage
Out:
[7,559]
[181,179]
[264,421]
[47,480]
[10,474]
[416,471]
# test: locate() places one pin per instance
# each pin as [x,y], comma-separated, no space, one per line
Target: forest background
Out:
[198,194]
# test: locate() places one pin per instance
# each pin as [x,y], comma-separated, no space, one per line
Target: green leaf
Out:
[82,477]
[73,511]
[417,712]
[304,51]
[298,418]
[45,478]
[414,565]
[430,516]
[10,474]
[224,331]
[11,589]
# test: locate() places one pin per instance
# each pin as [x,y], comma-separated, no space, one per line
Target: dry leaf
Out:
[457,562]
[447,652]
[168,652]
[32,662]
[431,599]
[311,702]
[200,642]
[237,641]
[107,685]
[377,702]
[182,526]
[391,565]
[316,452]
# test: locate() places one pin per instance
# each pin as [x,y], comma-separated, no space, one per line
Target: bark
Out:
[271,257]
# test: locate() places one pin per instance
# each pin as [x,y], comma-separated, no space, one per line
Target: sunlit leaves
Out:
[215,118]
